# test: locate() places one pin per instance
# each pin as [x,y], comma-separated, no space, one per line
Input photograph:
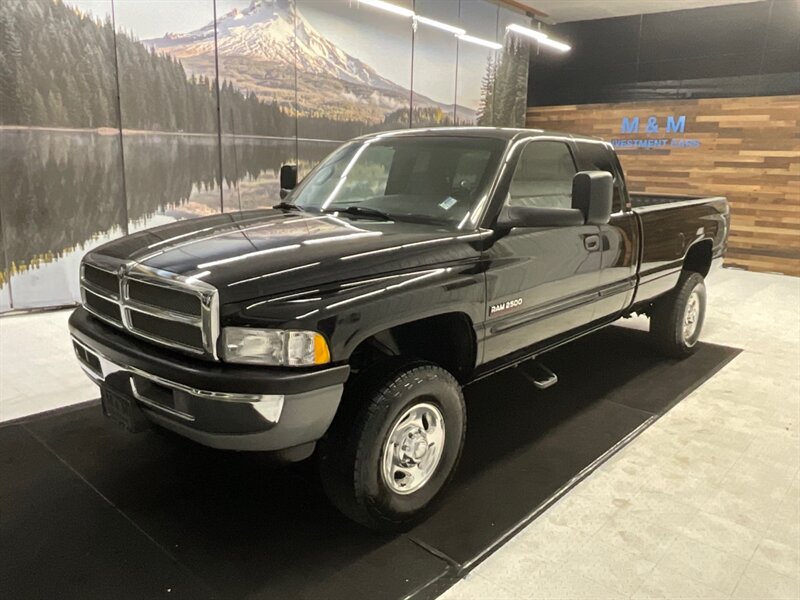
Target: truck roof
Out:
[501,133]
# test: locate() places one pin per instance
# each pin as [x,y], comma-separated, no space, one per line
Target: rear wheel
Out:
[395,446]
[677,318]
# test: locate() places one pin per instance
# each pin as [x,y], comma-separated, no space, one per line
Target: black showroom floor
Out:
[88,510]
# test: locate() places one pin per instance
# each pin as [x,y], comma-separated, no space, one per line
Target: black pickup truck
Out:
[347,318]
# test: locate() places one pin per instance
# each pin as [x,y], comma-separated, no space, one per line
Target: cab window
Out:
[597,157]
[543,177]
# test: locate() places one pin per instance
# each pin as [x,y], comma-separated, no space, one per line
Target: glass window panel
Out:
[169,109]
[60,170]
[435,55]
[511,80]
[5,288]
[431,178]
[353,72]
[257,74]
[543,177]
[476,64]
[311,152]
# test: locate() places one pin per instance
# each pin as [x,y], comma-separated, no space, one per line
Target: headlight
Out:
[274,347]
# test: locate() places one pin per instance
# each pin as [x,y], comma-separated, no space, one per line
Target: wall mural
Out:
[296,77]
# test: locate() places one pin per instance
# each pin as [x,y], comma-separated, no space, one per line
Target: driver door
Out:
[541,282]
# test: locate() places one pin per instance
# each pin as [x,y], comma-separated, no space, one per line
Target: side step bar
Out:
[539,375]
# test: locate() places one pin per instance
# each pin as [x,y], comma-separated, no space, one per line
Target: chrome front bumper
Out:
[225,420]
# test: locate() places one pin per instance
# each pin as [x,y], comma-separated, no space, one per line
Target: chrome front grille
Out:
[100,293]
[103,280]
[166,298]
[162,307]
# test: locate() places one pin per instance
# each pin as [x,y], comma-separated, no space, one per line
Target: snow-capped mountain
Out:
[265,31]
[259,47]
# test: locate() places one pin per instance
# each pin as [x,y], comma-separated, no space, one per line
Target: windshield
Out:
[434,179]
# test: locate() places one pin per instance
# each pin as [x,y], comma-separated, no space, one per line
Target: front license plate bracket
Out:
[124,410]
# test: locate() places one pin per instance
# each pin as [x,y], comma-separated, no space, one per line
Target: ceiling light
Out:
[540,37]
[440,25]
[560,46]
[480,42]
[527,31]
[392,8]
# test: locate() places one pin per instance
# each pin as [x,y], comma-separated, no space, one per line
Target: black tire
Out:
[669,316]
[351,454]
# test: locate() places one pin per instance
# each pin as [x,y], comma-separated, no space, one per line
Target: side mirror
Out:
[530,216]
[288,179]
[592,193]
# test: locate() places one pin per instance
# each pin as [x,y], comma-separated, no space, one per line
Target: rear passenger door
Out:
[618,237]
[541,281]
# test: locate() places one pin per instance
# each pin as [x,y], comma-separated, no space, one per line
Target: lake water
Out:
[62,194]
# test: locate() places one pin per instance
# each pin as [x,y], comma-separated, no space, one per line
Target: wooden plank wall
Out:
[749,151]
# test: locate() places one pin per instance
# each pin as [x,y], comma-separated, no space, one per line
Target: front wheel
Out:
[384,463]
[677,318]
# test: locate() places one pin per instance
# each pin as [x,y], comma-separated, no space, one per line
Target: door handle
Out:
[592,243]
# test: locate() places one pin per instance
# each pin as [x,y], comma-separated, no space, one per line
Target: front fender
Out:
[433,292]
[351,312]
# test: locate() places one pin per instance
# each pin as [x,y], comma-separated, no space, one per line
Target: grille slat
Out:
[104,307]
[104,280]
[155,305]
[161,297]
[170,331]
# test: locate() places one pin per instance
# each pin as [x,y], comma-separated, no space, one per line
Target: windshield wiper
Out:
[364,211]
[287,206]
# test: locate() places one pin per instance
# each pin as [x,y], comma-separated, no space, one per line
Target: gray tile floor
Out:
[38,368]
[704,504]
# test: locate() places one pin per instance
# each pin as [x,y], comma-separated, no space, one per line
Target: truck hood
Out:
[265,253]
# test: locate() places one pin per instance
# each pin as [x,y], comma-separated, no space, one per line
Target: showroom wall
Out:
[747,149]
[703,101]
[110,120]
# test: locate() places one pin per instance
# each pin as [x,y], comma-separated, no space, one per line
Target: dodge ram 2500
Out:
[345,320]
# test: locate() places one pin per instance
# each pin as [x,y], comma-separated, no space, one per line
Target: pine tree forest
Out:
[57,69]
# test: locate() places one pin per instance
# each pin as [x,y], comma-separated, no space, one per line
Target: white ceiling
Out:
[560,11]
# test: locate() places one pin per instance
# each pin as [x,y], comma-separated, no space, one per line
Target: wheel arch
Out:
[698,257]
[447,339]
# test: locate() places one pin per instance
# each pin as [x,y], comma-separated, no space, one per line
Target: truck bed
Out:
[645,200]
[669,225]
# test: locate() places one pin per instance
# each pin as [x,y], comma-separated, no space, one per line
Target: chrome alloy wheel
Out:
[413,448]
[691,318]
